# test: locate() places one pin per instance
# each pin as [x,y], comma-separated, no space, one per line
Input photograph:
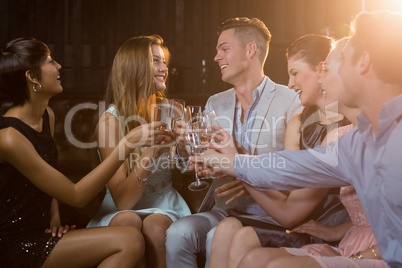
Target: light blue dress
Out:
[159,196]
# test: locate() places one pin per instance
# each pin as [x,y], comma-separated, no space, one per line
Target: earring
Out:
[36,90]
[322,91]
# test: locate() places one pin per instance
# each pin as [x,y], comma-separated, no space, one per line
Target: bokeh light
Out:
[391,5]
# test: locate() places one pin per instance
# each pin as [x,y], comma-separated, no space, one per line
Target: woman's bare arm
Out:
[17,150]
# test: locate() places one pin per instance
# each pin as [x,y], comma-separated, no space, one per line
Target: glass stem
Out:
[196,174]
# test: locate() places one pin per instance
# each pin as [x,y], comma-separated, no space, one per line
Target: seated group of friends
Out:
[333,203]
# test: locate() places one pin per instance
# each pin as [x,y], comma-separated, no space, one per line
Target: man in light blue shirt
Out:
[369,156]
[255,111]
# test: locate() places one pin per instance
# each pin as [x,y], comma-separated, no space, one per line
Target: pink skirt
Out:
[356,239]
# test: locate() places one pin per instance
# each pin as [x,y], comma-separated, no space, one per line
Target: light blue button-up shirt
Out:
[372,164]
[242,133]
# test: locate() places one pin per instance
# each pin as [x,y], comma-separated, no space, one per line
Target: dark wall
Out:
[84,35]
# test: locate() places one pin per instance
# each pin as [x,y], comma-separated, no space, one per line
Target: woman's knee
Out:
[282,262]
[154,228]
[154,232]
[243,234]
[256,258]
[130,240]
[126,218]
[227,226]
[242,243]
[229,223]
[248,261]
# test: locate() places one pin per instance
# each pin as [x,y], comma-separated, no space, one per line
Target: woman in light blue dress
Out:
[140,193]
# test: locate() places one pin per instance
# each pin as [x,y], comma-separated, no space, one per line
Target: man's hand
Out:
[234,188]
[224,143]
[213,163]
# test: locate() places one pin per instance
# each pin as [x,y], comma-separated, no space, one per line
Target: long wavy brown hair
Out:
[130,86]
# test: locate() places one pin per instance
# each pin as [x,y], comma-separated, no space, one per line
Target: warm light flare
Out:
[391,5]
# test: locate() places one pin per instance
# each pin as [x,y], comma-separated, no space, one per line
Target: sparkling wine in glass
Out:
[212,120]
[195,146]
[177,107]
[160,113]
[192,113]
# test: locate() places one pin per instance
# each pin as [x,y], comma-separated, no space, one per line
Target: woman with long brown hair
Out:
[138,195]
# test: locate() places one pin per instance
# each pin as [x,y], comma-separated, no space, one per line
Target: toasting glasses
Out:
[177,111]
[198,138]
[168,111]
[196,145]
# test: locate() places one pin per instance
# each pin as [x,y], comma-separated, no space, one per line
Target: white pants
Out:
[190,236]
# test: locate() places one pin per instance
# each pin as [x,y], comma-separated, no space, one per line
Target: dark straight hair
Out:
[17,57]
[311,49]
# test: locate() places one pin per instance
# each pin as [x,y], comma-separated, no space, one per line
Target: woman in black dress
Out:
[29,181]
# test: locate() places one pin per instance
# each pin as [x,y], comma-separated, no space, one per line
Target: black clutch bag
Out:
[329,212]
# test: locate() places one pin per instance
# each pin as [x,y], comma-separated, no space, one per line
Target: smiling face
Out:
[159,67]
[349,75]
[331,81]
[231,57]
[50,76]
[304,80]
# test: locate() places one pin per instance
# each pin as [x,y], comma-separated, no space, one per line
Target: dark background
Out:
[84,35]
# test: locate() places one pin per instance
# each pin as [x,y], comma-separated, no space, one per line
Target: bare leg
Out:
[154,230]
[243,242]
[128,218]
[222,239]
[275,258]
[103,247]
[261,256]
[294,261]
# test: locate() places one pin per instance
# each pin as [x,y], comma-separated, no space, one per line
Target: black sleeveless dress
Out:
[25,210]
[316,135]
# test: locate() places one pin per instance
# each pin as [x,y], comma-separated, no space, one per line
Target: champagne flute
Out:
[177,110]
[211,120]
[192,113]
[195,147]
[163,112]
[177,113]
[208,134]
[160,113]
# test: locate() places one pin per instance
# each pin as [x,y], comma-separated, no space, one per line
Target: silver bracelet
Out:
[151,165]
[140,180]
